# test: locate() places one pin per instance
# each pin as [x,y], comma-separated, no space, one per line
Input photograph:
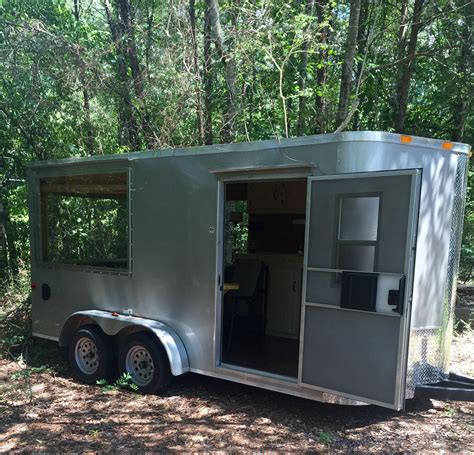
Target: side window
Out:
[357,235]
[85,220]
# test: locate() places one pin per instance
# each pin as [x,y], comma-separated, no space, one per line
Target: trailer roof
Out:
[360,136]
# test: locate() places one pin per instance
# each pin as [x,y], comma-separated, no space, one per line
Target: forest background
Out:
[96,77]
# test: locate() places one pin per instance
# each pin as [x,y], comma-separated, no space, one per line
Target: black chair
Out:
[248,304]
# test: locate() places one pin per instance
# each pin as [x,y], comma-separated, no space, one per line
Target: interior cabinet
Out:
[284,299]
[294,196]
[277,197]
[265,197]
[284,293]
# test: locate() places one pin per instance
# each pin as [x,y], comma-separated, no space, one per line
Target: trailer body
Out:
[382,231]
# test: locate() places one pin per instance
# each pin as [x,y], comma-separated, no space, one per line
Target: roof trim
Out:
[350,136]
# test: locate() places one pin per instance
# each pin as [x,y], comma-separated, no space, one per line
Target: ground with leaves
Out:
[43,409]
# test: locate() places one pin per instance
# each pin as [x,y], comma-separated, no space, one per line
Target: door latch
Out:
[396,297]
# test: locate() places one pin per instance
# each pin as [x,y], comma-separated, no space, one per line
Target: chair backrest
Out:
[246,274]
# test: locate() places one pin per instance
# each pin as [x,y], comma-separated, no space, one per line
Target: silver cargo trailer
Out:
[322,267]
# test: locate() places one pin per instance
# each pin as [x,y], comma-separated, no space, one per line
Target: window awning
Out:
[278,171]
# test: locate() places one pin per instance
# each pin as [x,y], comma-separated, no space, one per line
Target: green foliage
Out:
[61,94]
[463,327]
[28,372]
[240,231]
[325,438]
[15,315]
[125,381]
[87,230]
[466,265]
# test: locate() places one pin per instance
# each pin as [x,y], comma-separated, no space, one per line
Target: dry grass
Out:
[45,410]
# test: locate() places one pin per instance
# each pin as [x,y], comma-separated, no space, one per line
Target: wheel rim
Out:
[139,365]
[87,355]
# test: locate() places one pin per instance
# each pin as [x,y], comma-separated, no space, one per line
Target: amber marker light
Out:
[447,145]
[406,139]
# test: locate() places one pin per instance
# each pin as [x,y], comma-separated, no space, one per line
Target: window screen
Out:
[359,218]
[84,220]
[357,234]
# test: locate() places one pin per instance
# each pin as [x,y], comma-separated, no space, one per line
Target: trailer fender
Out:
[113,323]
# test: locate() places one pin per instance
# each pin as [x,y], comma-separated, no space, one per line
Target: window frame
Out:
[338,242]
[92,170]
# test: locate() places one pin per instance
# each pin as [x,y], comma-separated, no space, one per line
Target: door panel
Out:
[353,362]
[358,268]
[327,197]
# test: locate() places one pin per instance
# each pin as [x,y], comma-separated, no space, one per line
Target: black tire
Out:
[145,359]
[91,355]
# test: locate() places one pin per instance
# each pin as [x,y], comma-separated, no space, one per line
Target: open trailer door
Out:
[357,284]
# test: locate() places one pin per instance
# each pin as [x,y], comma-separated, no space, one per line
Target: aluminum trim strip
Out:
[322,269]
[287,388]
[335,307]
[277,168]
[258,373]
[350,136]
[352,397]
[46,337]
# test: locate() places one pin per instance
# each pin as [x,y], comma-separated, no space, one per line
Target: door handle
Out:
[294,286]
[396,298]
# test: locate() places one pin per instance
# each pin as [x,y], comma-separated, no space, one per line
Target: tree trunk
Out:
[403,85]
[303,75]
[346,76]
[362,37]
[248,102]
[465,94]
[230,113]
[402,31]
[207,76]
[128,134]
[375,121]
[199,112]
[3,246]
[10,236]
[149,135]
[149,38]
[321,72]
[85,93]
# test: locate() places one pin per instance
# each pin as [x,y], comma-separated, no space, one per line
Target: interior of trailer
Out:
[264,229]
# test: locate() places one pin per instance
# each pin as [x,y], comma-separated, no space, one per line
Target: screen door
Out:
[359,258]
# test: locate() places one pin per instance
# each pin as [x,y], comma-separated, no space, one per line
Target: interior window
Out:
[84,220]
[357,232]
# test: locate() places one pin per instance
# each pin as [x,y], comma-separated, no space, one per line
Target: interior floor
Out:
[263,262]
[268,353]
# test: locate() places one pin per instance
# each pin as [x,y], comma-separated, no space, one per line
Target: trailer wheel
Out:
[145,360]
[90,355]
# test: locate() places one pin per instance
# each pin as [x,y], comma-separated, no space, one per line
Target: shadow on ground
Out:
[201,413]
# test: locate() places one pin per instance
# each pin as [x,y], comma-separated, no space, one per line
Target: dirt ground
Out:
[42,410]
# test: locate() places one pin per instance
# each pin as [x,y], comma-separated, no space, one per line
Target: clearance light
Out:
[33,285]
[447,145]
[406,139]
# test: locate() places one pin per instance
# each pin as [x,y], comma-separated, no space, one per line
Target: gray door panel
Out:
[358,224]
